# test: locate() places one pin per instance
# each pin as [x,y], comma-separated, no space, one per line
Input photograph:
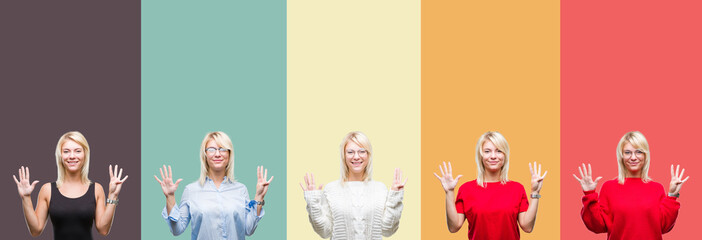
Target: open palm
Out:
[24,188]
[586,178]
[447,181]
[167,185]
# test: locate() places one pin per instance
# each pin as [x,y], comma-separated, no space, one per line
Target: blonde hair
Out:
[361,140]
[501,143]
[223,141]
[639,142]
[78,138]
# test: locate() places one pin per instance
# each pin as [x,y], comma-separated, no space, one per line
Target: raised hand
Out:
[310,183]
[586,178]
[116,181]
[446,179]
[169,188]
[537,180]
[262,183]
[676,180]
[397,183]
[23,187]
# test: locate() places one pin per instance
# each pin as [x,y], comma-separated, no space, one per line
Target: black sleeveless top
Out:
[72,218]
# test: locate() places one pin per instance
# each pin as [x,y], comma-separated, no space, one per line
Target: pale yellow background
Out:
[353,66]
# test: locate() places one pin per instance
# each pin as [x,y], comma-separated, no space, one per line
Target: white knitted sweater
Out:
[354,210]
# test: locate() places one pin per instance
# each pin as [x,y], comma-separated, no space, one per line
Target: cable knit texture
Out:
[354,210]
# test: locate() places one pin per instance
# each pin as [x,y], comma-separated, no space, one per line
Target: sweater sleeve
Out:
[179,217]
[594,212]
[392,213]
[669,212]
[319,213]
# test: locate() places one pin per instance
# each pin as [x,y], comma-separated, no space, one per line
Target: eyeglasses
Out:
[639,154]
[361,152]
[211,150]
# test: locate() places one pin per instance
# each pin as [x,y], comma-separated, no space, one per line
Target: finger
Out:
[459,176]
[258,172]
[162,176]
[672,172]
[576,178]
[677,170]
[542,177]
[303,188]
[21,173]
[120,172]
[589,170]
[159,181]
[110,170]
[397,173]
[450,169]
[405,182]
[681,174]
[598,179]
[34,184]
[27,169]
[581,172]
[446,171]
[437,176]
[265,174]
[313,180]
[178,181]
[116,167]
[269,181]
[170,172]
[539,168]
[531,169]
[307,181]
[320,186]
[685,179]
[441,170]
[125,179]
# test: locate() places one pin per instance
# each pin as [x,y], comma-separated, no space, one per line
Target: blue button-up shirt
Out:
[216,213]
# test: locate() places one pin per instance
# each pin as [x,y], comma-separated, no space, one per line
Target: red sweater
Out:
[492,211]
[633,210]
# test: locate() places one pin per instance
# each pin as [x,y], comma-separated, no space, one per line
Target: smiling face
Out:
[493,158]
[216,160]
[72,156]
[356,160]
[633,160]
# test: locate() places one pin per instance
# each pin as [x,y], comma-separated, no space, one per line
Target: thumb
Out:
[598,179]
[35,183]
[457,177]
[178,181]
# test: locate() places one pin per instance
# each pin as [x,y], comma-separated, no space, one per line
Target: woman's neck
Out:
[492,176]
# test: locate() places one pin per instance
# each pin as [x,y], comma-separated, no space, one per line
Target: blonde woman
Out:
[73,202]
[492,205]
[354,207]
[216,206]
[632,206]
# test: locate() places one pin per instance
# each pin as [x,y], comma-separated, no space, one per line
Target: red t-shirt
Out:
[492,211]
[633,210]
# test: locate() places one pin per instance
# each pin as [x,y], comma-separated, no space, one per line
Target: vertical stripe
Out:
[490,66]
[628,66]
[68,66]
[353,66]
[215,66]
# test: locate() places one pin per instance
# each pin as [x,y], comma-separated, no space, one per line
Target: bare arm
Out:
[454,220]
[105,212]
[35,218]
[527,219]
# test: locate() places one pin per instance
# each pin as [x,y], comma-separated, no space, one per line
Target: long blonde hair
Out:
[78,138]
[361,140]
[224,141]
[501,143]
[639,142]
